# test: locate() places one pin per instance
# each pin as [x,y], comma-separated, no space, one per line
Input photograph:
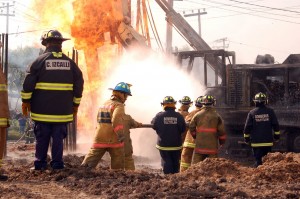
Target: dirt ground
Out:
[278,177]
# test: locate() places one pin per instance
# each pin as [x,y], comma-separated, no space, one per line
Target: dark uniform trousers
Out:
[43,133]
[170,161]
[259,153]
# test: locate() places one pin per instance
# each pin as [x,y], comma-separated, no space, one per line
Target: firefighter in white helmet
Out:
[110,134]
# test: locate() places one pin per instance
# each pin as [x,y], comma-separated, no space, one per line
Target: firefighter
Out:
[169,126]
[29,133]
[129,123]
[207,128]
[4,119]
[51,93]
[186,103]
[110,129]
[189,141]
[258,131]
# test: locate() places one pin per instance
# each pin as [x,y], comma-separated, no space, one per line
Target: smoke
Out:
[153,77]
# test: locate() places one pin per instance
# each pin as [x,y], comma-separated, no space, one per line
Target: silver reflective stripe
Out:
[52,118]
[54,86]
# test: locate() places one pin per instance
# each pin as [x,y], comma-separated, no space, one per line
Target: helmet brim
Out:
[44,42]
[119,91]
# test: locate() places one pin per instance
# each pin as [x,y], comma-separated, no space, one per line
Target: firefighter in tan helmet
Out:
[189,142]
[110,132]
[207,128]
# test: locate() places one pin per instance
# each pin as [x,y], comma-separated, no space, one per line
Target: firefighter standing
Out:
[208,130]
[169,126]
[4,118]
[189,141]
[129,123]
[186,103]
[110,134]
[52,91]
[260,124]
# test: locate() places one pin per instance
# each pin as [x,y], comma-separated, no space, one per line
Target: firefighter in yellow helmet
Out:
[110,133]
[4,118]
[129,123]
[207,128]
[189,141]
[186,103]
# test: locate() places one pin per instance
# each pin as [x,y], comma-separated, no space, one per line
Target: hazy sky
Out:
[250,27]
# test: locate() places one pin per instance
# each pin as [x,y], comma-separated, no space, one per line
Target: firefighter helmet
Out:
[52,35]
[260,98]
[186,100]
[122,87]
[168,100]
[198,101]
[207,100]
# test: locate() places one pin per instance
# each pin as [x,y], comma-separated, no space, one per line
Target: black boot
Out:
[3,177]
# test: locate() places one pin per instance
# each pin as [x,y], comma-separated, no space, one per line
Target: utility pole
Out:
[199,19]
[224,44]
[7,14]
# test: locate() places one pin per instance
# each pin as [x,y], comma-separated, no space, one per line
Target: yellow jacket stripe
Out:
[26,95]
[189,145]
[168,148]
[54,86]
[76,100]
[186,165]
[3,121]
[3,87]
[277,132]
[261,144]
[52,118]
[246,135]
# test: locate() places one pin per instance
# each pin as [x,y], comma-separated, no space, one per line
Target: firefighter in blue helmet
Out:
[51,93]
[169,126]
[260,124]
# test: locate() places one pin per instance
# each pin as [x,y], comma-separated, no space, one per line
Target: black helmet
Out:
[198,101]
[53,35]
[260,98]
[168,100]
[207,100]
[186,100]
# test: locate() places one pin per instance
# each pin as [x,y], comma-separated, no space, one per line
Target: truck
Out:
[234,87]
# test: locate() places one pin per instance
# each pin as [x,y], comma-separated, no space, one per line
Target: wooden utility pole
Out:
[199,19]
[169,33]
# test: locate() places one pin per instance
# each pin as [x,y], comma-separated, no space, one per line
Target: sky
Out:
[250,28]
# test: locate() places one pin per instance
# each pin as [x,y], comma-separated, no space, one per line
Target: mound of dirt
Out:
[278,177]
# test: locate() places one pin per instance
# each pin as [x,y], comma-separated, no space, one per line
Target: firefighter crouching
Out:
[259,126]
[4,118]
[207,129]
[110,134]
[129,123]
[52,92]
[189,141]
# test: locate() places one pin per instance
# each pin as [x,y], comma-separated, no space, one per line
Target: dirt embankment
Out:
[278,177]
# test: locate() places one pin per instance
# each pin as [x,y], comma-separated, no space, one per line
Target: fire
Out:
[87,23]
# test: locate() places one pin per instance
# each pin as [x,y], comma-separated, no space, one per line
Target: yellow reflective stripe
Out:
[3,121]
[184,164]
[168,148]
[261,144]
[277,132]
[26,95]
[57,54]
[3,87]
[246,135]
[54,86]
[51,118]
[76,100]
[189,144]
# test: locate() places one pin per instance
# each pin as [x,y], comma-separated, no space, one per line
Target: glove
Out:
[26,108]
[140,124]
[193,134]
[247,140]
[121,138]
[276,138]
[75,110]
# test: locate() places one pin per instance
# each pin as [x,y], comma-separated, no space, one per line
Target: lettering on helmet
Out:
[52,64]
[170,120]
[262,118]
